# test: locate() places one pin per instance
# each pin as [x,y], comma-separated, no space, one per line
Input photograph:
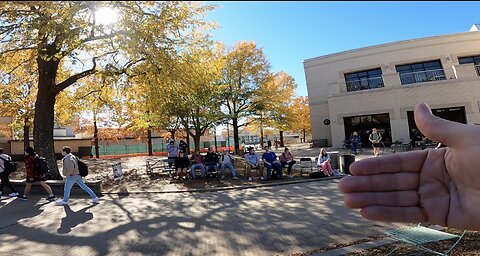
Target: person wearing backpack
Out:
[375,138]
[4,173]
[72,176]
[34,176]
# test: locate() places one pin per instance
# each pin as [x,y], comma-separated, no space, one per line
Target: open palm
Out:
[438,186]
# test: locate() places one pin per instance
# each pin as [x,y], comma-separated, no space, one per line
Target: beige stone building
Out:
[379,86]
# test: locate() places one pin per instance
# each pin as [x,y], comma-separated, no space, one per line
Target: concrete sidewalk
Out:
[276,220]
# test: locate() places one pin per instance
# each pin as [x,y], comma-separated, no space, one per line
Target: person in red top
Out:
[33,176]
[286,159]
[197,163]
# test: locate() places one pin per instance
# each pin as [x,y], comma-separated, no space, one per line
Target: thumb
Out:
[437,129]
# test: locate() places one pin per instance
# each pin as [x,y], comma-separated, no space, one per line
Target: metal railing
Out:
[365,84]
[422,76]
[477,68]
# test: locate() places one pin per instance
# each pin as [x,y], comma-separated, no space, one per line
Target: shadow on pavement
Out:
[72,219]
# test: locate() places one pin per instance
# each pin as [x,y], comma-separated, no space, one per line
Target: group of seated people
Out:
[211,161]
[268,160]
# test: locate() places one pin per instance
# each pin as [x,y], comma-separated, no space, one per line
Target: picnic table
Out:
[161,165]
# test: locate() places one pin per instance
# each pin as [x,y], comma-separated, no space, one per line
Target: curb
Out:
[221,188]
[356,248]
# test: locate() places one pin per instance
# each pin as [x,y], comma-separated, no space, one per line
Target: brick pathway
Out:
[276,220]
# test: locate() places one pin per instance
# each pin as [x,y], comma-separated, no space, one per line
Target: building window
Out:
[364,80]
[473,59]
[421,72]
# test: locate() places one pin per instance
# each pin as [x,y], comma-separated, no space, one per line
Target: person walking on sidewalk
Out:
[4,173]
[33,176]
[70,171]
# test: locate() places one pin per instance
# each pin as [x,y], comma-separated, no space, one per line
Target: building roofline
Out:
[386,45]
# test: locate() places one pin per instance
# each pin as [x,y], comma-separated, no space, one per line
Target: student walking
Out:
[33,176]
[72,176]
[4,173]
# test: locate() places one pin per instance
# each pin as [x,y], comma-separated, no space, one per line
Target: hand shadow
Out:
[72,219]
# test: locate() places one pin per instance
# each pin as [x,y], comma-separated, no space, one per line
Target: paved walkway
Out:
[277,220]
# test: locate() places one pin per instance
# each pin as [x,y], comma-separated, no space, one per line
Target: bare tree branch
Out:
[18,49]
[69,81]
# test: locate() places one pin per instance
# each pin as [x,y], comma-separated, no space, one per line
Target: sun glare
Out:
[106,16]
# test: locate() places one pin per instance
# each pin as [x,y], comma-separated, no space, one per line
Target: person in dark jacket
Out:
[5,173]
[32,176]
[354,140]
[181,164]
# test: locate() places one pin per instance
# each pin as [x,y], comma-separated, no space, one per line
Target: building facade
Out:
[379,86]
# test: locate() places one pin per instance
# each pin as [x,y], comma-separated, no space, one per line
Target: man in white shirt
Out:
[226,161]
[5,181]
[72,176]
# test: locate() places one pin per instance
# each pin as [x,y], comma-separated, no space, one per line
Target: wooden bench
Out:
[57,187]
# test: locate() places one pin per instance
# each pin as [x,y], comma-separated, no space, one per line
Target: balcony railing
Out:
[477,68]
[422,76]
[364,84]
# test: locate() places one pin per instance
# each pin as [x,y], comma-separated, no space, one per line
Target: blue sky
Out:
[290,32]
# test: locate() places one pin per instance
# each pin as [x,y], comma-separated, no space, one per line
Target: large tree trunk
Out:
[228,137]
[215,138]
[95,137]
[281,139]
[196,139]
[172,134]
[304,135]
[150,147]
[188,143]
[44,122]
[235,136]
[26,134]
[261,131]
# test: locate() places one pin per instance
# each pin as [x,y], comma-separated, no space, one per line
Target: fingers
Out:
[395,199]
[400,162]
[440,130]
[379,183]
[394,214]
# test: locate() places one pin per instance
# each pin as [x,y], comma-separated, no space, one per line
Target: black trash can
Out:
[345,163]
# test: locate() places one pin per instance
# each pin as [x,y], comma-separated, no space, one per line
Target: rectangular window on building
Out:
[364,80]
[472,59]
[421,72]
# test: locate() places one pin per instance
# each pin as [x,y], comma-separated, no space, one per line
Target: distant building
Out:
[379,86]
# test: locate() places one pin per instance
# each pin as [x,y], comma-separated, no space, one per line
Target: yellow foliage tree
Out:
[68,34]
[301,112]
[245,68]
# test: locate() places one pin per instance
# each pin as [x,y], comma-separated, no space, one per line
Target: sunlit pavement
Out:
[277,220]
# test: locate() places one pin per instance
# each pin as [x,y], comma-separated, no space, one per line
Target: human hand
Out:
[438,186]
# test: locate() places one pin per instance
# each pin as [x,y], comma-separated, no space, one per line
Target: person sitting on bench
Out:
[324,162]
[226,161]
[181,164]
[211,160]
[197,163]
[270,160]
[253,163]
